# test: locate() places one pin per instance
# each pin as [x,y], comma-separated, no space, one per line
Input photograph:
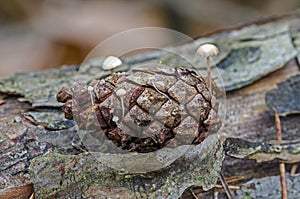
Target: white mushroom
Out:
[90,90]
[208,50]
[115,119]
[110,63]
[120,92]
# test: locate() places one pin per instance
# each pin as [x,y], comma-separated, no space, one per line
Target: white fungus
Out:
[111,62]
[208,50]
[90,88]
[115,119]
[120,92]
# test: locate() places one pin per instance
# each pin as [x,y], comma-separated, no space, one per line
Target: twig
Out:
[277,126]
[229,186]
[68,164]
[234,179]
[193,193]
[75,146]
[294,168]
[227,180]
[62,169]
[225,186]
[281,164]
[283,180]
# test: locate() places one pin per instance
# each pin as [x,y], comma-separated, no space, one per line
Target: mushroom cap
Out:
[207,50]
[121,92]
[111,62]
[90,88]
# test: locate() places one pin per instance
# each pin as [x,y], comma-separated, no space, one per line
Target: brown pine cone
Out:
[145,110]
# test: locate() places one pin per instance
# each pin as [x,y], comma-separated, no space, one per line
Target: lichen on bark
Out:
[56,175]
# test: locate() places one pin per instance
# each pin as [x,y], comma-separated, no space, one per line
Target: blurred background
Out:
[41,34]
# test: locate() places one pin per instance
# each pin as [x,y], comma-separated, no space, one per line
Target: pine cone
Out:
[145,110]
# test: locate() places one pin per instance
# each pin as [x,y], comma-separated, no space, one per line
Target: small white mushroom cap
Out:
[207,50]
[111,62]
[115,119]
[121,92]
[90,88]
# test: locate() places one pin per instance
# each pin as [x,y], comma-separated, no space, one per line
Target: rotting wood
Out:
[20,192]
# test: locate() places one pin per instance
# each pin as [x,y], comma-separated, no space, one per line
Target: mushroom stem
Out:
[90,90]
[208,74]
[123,108]
[121,93]
[92,99]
